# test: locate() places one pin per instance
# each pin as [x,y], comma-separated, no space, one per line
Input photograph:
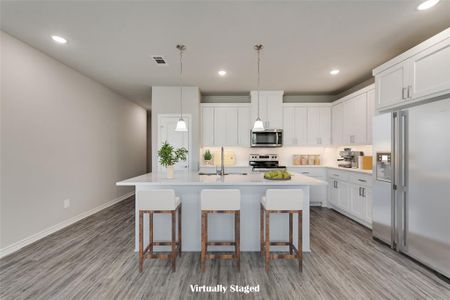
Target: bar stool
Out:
[220,201]
[158,202]
[281,201]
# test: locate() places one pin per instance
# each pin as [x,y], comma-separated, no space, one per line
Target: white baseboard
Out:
[35,237]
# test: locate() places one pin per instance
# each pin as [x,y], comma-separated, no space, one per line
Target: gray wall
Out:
[166,100]
[63,136]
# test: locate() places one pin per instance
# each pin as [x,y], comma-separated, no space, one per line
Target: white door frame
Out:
[188,119]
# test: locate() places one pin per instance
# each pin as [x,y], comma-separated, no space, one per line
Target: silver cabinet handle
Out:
[359,191]
[363,192]
[362,180]
[404,93]
[337,175]
[409,91]
[305,172]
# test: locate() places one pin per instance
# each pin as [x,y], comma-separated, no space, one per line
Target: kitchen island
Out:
[253,186]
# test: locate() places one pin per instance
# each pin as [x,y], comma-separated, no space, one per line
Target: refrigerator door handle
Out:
[403,149]
[394,210]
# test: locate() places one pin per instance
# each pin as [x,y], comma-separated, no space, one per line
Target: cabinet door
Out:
[274,108]
[370,115]
[301,125]
[225,126]
[319,125]
[357,202]
[244,125]
[208,126]
[368,198]
[355,116]
[337,123]
[343,196]
[430,71]
[390,86]
[333,193]
[289,138]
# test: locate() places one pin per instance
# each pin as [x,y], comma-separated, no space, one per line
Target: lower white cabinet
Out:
[351,194]
[317,194]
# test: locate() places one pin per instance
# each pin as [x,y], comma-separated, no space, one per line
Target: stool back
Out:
[156,200]
[284,199]
[221,199]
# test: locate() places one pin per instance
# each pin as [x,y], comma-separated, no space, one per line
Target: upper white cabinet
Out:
[270,108]
[337,124]
[225,125]
[351,118]
[319,125]
[355,119]
[420,73]
[295,126]
[306,124]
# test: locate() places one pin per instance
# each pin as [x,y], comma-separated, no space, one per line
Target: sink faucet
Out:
[222,164]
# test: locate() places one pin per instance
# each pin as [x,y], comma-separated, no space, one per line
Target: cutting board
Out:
[229,158]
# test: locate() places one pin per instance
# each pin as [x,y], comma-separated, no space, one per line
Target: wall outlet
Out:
[66,203]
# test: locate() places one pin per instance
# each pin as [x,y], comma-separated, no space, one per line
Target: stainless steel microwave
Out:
[266,138]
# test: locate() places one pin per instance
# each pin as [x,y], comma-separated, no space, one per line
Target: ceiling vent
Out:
[159,60]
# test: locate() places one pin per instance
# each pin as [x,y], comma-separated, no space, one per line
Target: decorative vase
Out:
[169,172]
[209,162]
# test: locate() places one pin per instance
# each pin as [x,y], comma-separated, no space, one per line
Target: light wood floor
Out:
[94,259]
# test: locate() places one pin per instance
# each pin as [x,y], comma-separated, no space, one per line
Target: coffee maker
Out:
[349,158]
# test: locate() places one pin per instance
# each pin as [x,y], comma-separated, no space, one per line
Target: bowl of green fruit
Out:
[277,175]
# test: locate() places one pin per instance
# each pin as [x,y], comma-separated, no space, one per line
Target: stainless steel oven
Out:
[266,138]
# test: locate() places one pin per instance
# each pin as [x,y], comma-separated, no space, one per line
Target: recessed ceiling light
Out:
[59,39]
[427,4]
[222,72]
[334,72]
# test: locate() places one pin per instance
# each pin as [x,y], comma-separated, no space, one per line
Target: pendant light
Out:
[181,124]
[258,125]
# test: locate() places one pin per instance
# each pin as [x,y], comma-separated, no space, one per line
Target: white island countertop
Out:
[193,178]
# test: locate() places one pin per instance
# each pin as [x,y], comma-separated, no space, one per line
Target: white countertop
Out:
[192,178]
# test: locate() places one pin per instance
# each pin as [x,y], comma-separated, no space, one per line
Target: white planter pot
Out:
[169,172]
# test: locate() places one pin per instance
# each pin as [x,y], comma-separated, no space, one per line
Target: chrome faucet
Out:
[222,164]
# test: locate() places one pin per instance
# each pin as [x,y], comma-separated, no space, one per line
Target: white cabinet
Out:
[418,74]
[337,124]
[317,194]
[294,126]
[352,117]
[270,108]
[390,86]
[244,126]
[225,125]
[355,119]
[319,127]
[351,194]
[370,115]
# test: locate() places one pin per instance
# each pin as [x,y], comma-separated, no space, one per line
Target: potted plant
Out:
[169,156]
[207,157]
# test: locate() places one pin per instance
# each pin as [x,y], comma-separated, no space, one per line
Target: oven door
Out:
[266,138]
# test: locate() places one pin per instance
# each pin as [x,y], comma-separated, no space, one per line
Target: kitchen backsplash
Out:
[328,155]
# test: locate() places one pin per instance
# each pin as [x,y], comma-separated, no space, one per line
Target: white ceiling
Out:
[112,42]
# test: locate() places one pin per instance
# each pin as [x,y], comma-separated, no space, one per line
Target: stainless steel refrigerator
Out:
[411,205]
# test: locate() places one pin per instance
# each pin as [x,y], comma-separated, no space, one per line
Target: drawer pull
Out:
[362,180]
[305,172]
[337,175]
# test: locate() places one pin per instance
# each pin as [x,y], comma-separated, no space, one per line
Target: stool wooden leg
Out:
[267,246]
[300,246]
[204,241]
[179,230]
[174,241]
[291,229]
[150,232]
[237,238]
[141,240]
[261,231]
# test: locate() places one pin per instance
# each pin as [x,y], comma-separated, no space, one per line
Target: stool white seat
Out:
[221,199]
[157,200]
[283,199]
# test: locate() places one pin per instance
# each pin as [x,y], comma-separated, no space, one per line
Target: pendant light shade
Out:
[259,124]
[181,124]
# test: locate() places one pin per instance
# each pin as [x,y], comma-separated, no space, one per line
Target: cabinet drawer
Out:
[313,172]
[336,174]
[361,179]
